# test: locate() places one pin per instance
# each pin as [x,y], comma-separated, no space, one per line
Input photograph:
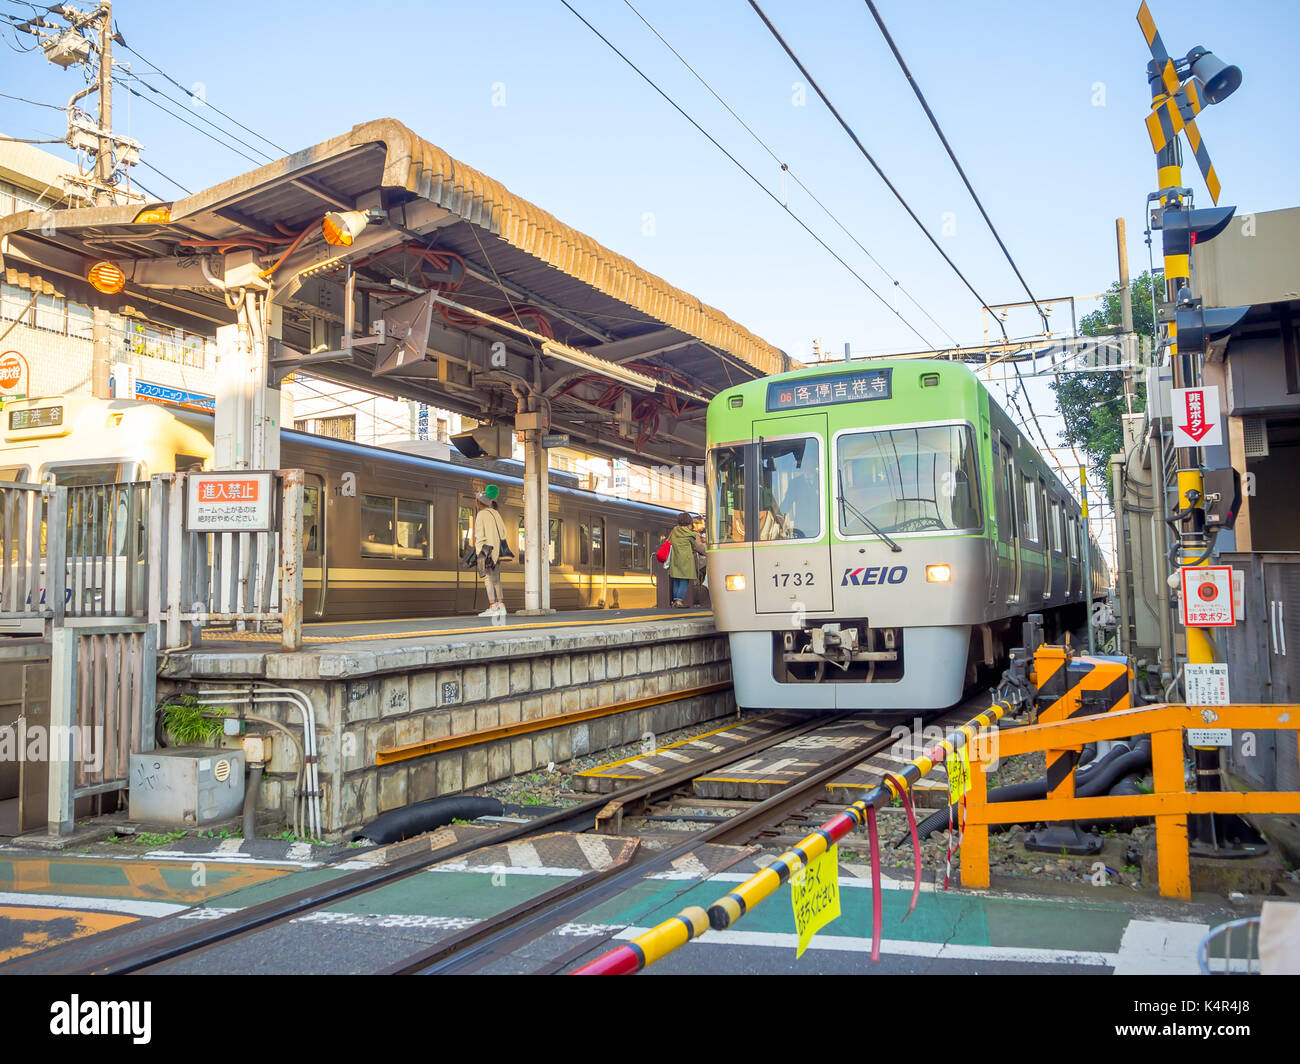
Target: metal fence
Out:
[26,512]
[102,701]
[106,550]
[247,580]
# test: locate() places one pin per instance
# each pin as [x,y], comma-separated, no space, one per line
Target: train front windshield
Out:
[908,480]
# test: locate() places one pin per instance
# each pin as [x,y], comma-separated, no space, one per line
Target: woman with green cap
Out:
[489,531]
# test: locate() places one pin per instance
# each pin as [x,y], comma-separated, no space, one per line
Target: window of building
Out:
[343,427]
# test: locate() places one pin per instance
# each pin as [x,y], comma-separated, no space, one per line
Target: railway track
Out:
[502,934]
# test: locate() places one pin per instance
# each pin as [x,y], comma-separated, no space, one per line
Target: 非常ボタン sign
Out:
[1196,417]
[1207,597]
[815,894]
[229,502]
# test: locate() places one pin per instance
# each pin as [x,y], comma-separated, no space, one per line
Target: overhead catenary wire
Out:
[925,106]
[748,173]
[123,84]
[197,113]
[785,168]
[165,178]
[868,156]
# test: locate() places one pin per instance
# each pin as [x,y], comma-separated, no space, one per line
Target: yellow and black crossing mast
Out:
[1180,88]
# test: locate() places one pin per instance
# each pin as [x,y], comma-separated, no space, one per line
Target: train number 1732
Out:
[795,579]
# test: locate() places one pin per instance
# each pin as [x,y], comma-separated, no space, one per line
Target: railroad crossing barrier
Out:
[1170,804]
[694,921]
[201,577]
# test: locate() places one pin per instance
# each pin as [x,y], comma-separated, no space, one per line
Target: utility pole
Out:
[104,159]
[1125,304]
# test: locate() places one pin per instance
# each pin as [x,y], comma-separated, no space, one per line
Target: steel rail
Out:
[209,933]
[500,935]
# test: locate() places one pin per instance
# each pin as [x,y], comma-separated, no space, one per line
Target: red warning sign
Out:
[1207,597]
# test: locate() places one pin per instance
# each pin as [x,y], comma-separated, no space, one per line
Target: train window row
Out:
[895,480]
[395,528]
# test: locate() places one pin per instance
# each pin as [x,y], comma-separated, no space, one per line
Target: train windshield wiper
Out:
[845,504]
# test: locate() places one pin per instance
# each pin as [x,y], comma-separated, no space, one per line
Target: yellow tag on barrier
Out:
[958,766]
[815,894]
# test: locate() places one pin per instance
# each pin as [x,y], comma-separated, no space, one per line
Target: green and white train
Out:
[878,532]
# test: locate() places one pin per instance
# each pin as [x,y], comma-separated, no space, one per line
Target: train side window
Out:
[1044,516]
[1055,523]
[598,545]
[557,534]
[625,547]
[310,520]
[584,545]
[641,550]
[727,490]
[414,520]
[1072,533]
[464,529]
[14,474]
[1028,509]
[187,463]
[376,526]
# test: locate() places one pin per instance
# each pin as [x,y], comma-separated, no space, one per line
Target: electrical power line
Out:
[166,178]
[120,83]
[197,114]
[916,88]
[204,101]
[786,169]
[867,155]
[741,166]
[34,103]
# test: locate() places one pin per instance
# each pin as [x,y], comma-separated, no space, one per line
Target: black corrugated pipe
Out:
[424,816]
[1096,779]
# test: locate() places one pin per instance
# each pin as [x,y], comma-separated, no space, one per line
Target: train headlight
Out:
[735,582]
[938,574]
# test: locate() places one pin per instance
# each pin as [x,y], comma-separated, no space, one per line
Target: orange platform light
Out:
[107,277]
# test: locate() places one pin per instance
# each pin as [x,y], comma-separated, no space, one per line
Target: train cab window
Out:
[1028,509]
[14,474]
[625,549]
[376,526]
[908,480]
[727,469]
[311,520]
[76,476]
[789,489]
[187,463]
[464,530]
[414,519]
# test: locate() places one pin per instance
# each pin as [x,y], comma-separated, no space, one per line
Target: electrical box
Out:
[187,786]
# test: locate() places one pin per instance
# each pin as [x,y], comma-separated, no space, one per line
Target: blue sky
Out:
[1043,103]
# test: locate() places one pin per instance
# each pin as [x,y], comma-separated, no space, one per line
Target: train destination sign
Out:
[856,387]
[229,502]
[41,417]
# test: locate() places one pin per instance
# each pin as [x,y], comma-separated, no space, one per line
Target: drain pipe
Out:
[251,792]
[258,695]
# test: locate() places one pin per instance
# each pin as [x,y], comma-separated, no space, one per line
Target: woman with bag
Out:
[489,534]
[685,558]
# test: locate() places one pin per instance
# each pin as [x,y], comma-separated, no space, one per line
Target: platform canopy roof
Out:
[521,302]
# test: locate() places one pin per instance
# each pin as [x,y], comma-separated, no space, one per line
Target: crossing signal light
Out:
[1197,326]
[1182,229]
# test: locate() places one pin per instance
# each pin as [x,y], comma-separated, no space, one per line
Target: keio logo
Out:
[875,575]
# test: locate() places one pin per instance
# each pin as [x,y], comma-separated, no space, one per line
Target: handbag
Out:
[664,551]
[504,553]
[470,560]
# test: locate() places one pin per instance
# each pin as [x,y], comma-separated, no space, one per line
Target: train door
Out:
[315,571]
[1009,570]
[792,550]
[591,560]
[1045,537]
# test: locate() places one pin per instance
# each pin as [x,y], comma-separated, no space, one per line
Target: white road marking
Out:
[1160,947]
[523,855]
[595,851]
[299,851]
[230,859]
[896,947]
[690,866]
[126,906]
[673,754]
[508,870]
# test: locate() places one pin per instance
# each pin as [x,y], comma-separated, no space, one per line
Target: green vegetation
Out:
[188,723]
[1093,403]
[149,838]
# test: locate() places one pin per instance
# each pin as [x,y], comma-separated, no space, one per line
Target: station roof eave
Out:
[441,225]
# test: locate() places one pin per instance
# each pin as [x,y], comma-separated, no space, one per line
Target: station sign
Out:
[555,439]
[1196,417]
[238,501]
[1207,597]
[859,386]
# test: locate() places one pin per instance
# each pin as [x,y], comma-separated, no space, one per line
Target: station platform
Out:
[427,707]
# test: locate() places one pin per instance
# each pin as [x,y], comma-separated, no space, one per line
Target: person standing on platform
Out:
[489,531]
[685,559]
